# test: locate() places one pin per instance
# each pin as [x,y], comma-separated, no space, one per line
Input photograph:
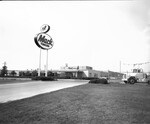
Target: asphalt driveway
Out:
[14,91]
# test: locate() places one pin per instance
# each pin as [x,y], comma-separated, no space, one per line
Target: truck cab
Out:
[136,75]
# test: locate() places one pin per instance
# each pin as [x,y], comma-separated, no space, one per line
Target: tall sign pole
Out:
[39,70]
[46,64]
[45,42]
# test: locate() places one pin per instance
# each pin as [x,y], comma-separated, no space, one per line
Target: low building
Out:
[70,72]
[86,71]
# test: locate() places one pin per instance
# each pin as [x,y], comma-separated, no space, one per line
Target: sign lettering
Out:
[45,28]
[44,41]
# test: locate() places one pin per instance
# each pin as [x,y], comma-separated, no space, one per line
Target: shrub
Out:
[43,78]
[99,81]
[47,79]
[89,78]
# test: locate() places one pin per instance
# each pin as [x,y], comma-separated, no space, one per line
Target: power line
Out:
[136,63]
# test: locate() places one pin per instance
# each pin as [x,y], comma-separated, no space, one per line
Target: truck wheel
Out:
[131,80]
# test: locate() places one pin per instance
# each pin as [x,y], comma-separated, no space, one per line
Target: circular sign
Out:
[44,41]
[45,28]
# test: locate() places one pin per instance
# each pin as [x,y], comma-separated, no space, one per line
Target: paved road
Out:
[9,92]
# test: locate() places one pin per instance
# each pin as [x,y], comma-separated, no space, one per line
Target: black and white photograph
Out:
[75,62]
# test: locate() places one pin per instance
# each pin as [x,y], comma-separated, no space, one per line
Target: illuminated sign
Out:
[45,28]
[44,41]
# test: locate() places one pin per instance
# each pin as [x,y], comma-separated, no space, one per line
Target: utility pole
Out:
[120,66]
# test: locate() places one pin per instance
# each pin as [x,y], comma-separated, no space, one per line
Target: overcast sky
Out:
[93,33]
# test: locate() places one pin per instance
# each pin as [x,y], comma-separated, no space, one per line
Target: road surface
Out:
[9,92]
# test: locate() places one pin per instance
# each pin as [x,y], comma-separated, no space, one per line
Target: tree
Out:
[50,73]
[4,71]
[21,73]
[13,73]
[34,73]
[27,73]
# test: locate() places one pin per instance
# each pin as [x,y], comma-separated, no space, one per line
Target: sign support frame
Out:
[45,42]
[46,70]
[39,70]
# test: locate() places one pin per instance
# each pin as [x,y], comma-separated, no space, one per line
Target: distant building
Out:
[71,72]
[86,71]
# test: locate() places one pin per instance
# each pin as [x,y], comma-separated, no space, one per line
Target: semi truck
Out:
[135,76]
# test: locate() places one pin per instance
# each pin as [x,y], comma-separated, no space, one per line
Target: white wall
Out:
[85,73]
[92,73]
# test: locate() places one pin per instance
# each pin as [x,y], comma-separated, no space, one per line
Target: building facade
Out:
[87,71]
[70,72]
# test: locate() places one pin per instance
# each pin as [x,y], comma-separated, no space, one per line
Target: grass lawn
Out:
[86,104]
